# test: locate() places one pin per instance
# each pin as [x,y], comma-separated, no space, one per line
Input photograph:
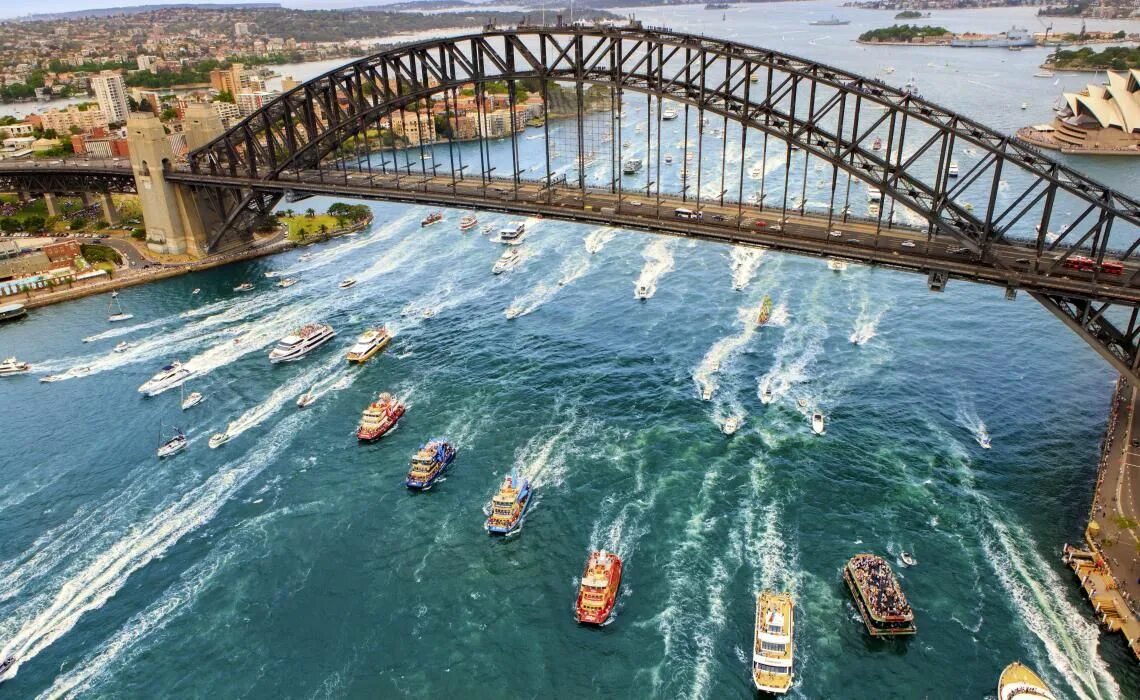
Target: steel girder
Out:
[66,180]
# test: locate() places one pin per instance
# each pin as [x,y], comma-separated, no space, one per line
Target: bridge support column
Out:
[51,203]
[110,213]
[167,229]
[201,124]
[86,198]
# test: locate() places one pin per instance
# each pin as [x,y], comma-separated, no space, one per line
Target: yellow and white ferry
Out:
[773,644]
[1017,682]
[368,344]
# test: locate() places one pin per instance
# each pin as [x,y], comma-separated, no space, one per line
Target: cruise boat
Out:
[244,287]
[11,312]
[817,423]
[643,291]
[836,265]
[878,596]
[513,234]
[631,166]
[765,311]
[347,282]
[507,261]
[307,399]
[287,282]
[169,377]
[598,589]
[13,366]
[370,342]
[773,643]
[432,218]
[1018,682]
[508,506]
[301,342]
[429,463]
[219,439]
[668,114]
[174,445]
[380,417]
[468,222]
[952,171]
[119,314]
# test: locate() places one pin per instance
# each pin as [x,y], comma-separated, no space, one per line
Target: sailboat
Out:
[119,314]
[174,445]
[191,400]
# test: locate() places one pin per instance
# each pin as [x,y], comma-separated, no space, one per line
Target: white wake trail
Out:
[658,261]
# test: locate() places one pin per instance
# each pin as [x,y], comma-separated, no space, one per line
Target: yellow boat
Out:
[1017,682]
[765,310]
[368,344]
[773,642]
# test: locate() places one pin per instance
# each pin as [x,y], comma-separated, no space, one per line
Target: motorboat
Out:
[190,400]
[301,342]
[271,274]
[877,145]
[119,314]
[669,158]
[817,423]
[513,234]
[307,399]
[347,282]
[219,439]
[381,416]
[984,439]
[123,346]
[370,342]
[429,464]
[468,222]
[513,311]
[244,287]
[287,282]
[1017,682]
[952,171]
[304,257]
[174,445]
[171,376]
[508,260]
[643,291]
[878,596]
[765,311]
[730,425]
[489,228]
[836,265]
[432,218]
[707,392]
[197,290]
[907,559]
[767,396]
[13,366]
[598,588]
[773,643]
[508,505]
[1025,105]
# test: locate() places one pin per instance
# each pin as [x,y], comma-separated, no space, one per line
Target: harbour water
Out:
[292,562]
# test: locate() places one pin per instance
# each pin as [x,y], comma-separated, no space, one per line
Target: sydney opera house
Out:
[1101,119]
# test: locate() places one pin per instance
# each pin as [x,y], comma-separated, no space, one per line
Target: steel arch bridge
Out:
[1011,216]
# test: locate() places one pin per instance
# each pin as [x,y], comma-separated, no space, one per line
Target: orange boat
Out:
[380,417]
[599,588]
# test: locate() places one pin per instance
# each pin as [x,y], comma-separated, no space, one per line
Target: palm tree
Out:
[311,213]
[324,231]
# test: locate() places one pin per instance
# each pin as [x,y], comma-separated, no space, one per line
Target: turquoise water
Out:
[292,562]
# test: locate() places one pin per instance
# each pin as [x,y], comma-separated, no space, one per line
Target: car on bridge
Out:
[835,234]
[760,223]
[908,244]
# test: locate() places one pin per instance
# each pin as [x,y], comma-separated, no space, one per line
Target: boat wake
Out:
[573,268]
[281,395]
[120,331]
[802,344]
[744,264]
[722,351]
[866,325]
[967,417]
[658,261]
[597,239]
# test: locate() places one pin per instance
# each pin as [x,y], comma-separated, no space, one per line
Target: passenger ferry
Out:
[432,218]
[507,261]
[13,366]
[301,342]
[11,312]
[631,166]
[773,643]
[1018,682]
[878,596]
[370,342]
[597,592]
[429,464]
[953,170]
[169,377]
[765,311]
[513,234]
[380,417]
[508,505]
[468,222]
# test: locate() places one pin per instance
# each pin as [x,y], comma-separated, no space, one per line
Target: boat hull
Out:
[600,616]
[370,353]
[873,630]
[373,434]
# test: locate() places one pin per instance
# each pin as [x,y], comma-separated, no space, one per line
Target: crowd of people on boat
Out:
[878,583]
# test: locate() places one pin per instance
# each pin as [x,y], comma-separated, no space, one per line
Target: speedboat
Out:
[287,282]
[773,643]
[507,261]
[489,228]
[907,559]
[219,439]
[984,439]
[244,287]
[643,291]
[432,218]
[192,399]
[346,283]
[429,464]
[836,265]
[707,392]
[304,257]
[369,344]
[952,171]
[730,425]
[124,346]
[513,234]
[598,589]
[5,665]
[174,445]
[765,311]
[1025,105]
[13,366]
[766,395]
[169,377]
[508,506]
[1017,682]
[668,114]
[301,342]
[197,290]
[513,312]
[817,423]
[307,399]
[468,222]
[272,273]
[380,417]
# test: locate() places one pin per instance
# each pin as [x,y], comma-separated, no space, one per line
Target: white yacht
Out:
[513,234]
[287,282]
[174,445]
[507,261]
[169,377]
[219,439]
[244,287]
[301,342]
[119,314]
[190,400]
[953,170]
[346,283]
[817,423]
[13,366]
[836,264]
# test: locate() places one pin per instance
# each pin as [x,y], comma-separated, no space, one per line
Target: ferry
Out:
[219,439]
[13,366]
[287,282]
[817,423]
[429,464]
[174,445]
[11,312]
[432,218]
[508,506]
[347,282]
[169,377]
[513,234]
[598,589]
[507,261]
[773,643]
[952,171]
[380,417]
[468,222]
[877,145]
[668,114]
[765,311]
[307,399]
[878,596]
[301,342]
[631,166]
[370,342]
[1017,682]
[244,287]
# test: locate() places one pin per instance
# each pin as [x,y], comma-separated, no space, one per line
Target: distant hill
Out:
[139,9]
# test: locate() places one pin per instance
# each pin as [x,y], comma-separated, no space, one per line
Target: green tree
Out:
[225,96]
[168,114]
[311,213]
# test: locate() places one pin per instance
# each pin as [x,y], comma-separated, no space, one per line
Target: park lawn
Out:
[312,226]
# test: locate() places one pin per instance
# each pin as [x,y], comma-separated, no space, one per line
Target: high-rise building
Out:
[241,29]
[111,93]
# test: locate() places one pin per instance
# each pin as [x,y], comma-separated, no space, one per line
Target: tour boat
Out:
[346,283]
[192,400]
[169,377]
[380,417]
[1017,682]
[434,217]
[119,314]
[598,589]
[765,310]
[642,291]
[219,439]
[13,366]
[773,643]
[369,344]
[668,114]
[468,222]
[507,261]
[123,346]
[836,264]
[730,425]
[307,399]
[817,423]
[953,170]
[301,342]
[513,234]
[174,445]
[508,505]
[429,463]
[287,282]
[244,287]
[878,596]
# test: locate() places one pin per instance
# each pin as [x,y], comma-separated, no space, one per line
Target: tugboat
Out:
[773,643]
[508,505]
[1017,682]
[13,366]
[370,342]
[432,218]
[301,342]
[878,596]
[169,377]
[174,445]
[380,417]
[765,310]
[468,222]
[429,464]
[598,590]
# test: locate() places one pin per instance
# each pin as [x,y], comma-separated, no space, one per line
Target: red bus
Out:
[1080,262]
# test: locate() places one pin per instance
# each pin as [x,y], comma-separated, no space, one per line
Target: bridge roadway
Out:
[811,234]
